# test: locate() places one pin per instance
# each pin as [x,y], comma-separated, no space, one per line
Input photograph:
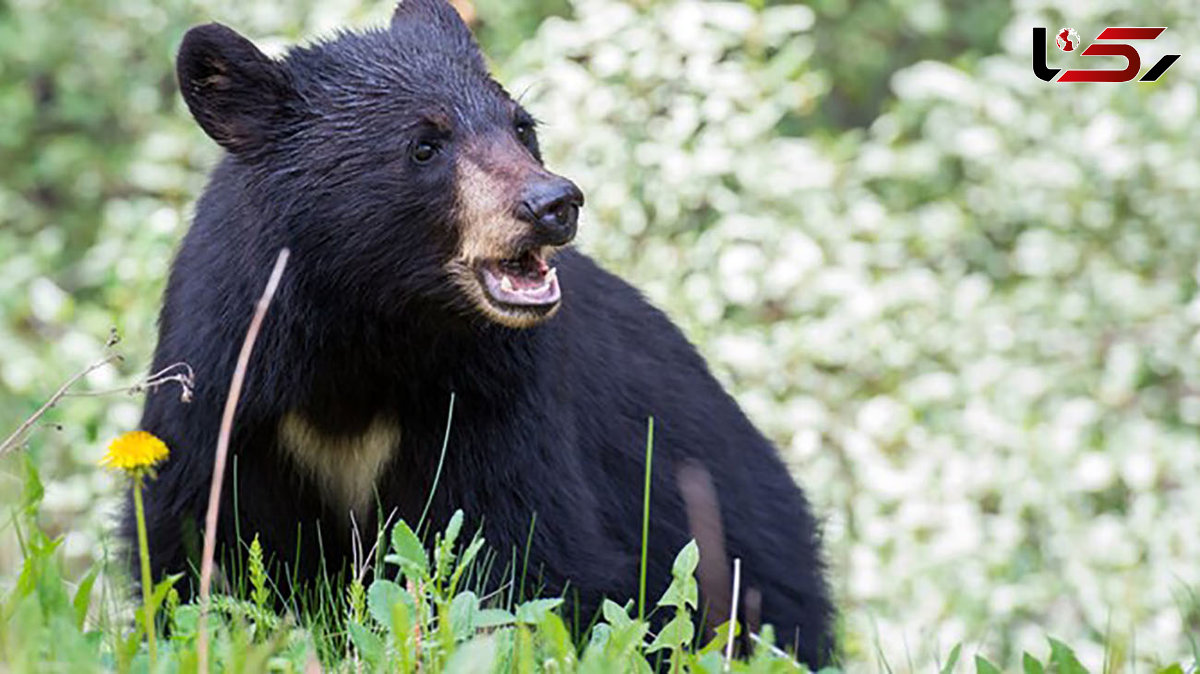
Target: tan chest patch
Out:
[345,467]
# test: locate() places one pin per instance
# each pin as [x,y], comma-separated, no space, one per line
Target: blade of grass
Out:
[645,519]
[437,476]
[525,560]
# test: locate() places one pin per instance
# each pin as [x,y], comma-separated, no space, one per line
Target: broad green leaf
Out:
[382,598]
[534,611]
[83,596]
[369,645]
[452,529]
[462,614]
[477,656]
[686,561]
[469,554]
[982,666]
[33,491]
[708,663]
[674,634]
[554,635]
[952,661]
[493,617]
[1031,665]
[683,590]
[599,639]
[523,651]
[721,637]
[614,614]
[408,551]
[1063,659]
[680,593]
[157,595]
[626,640]
[443,552]
[187,617]
[464,562]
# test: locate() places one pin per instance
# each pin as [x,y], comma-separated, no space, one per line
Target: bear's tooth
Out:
[506,284]
[551,275]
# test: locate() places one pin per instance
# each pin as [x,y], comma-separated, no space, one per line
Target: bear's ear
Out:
[426,21]
[238,95]
[437,14]
[417,9]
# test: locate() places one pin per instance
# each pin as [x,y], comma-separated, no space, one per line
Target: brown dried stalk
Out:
[218,478]
[12,441]
[180,373]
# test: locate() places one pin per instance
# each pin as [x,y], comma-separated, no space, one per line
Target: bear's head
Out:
[391,162]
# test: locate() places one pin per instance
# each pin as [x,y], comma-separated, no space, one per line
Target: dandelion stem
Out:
[144,552]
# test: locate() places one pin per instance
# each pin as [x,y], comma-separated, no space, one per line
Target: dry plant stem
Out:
[186,381]
[218,476]
[13,440]
[737,583]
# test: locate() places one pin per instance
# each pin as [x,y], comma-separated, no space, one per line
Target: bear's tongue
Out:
[526,280]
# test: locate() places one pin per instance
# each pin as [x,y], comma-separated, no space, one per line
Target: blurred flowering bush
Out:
[972,325]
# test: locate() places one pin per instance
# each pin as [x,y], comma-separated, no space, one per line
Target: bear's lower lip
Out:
[526,281]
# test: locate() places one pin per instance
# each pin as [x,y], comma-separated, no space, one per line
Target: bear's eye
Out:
[424,151]
[525,134]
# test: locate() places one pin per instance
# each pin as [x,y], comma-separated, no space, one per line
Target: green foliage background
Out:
[962,301]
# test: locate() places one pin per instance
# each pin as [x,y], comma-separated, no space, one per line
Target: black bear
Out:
[431,258]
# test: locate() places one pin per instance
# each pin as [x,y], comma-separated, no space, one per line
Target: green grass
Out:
[427,614]
[646,517]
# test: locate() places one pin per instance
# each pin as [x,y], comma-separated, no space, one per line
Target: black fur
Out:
[549,420]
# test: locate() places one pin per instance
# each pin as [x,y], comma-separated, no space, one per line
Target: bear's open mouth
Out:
[526,281]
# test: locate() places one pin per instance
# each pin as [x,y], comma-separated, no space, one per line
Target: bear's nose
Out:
[552,205]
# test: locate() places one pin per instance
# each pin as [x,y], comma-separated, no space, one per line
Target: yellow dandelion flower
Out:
[135,451]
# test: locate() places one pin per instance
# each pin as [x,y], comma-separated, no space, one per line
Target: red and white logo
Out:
[1111,41]
[1068,39]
